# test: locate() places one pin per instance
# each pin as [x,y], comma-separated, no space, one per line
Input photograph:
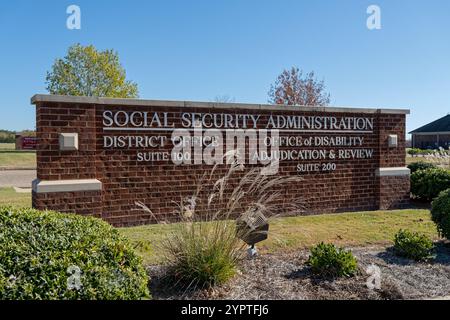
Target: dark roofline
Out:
[435,126]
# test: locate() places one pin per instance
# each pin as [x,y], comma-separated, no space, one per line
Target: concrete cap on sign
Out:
[43,98]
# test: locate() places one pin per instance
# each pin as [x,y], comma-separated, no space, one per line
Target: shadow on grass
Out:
[419,204]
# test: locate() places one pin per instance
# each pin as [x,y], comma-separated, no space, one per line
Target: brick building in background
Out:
[433,135]
[25,141]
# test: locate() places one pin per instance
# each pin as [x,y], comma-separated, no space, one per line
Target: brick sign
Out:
[29,143]
[100,156]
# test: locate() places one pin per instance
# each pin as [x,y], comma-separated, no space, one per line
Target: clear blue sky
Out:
[197,50]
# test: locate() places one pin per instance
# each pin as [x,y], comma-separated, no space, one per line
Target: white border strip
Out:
[39,186]
[393,172]
[231,130]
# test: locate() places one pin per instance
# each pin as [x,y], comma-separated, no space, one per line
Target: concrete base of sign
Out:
[392,172]
[39,186]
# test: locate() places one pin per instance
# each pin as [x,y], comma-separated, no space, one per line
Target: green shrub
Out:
[413,245]
[417,151]
[420,165]
[42,252]
[425,152]
[7,136]
[440,213]
[328,260]
[427,184]
[414,151]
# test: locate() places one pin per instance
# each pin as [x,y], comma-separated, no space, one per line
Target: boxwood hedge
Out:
[440,213]
[420,165]
[427,184]
[50,255]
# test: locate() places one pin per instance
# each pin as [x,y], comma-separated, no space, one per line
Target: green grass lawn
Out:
[287,234]
[8,196]
[442,162]
[7,146]
[10,158]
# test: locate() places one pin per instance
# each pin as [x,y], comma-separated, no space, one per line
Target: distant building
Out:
[408,143]
[433,135]
[25,142]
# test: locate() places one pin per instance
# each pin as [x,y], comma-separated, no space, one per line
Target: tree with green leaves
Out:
[85,71]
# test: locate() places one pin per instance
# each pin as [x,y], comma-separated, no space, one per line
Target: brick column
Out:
[392,176]
[66,178]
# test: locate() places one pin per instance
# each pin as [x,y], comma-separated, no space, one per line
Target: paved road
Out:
[17,178]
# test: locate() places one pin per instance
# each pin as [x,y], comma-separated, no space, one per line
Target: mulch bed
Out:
[285,276]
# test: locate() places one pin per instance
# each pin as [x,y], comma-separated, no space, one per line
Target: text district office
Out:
[156,141]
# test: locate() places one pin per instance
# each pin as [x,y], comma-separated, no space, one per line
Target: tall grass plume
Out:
[205,248]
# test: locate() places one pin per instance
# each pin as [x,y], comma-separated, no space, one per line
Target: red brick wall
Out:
[88,203]
[394,192]
[391,124]
[54,164]
[353,186]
